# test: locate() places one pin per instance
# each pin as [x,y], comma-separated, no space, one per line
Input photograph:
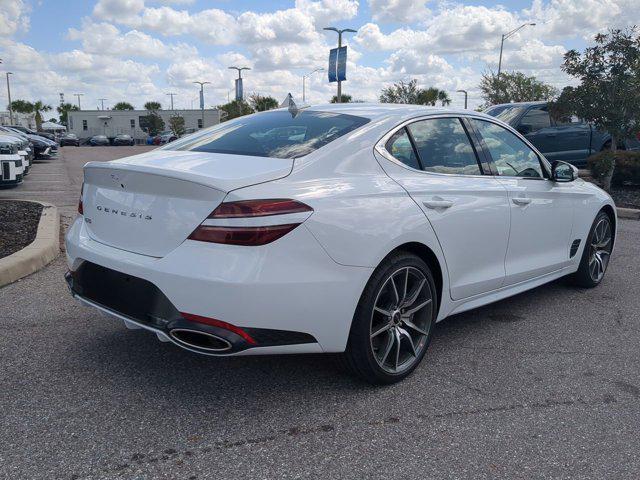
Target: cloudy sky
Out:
[139,50]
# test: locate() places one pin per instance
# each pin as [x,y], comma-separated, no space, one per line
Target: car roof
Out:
[519,104]
[375,111]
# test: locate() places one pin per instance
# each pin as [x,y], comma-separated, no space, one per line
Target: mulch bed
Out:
[18,225]
[626,197]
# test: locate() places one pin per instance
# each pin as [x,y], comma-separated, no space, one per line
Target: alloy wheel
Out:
[401,320]
[600,249]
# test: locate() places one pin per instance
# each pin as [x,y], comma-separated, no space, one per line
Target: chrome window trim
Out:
[380,145]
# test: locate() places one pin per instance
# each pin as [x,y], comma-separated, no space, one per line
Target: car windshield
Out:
[100,137]
[277,134]
[123,136]
[71,135]
[506,113]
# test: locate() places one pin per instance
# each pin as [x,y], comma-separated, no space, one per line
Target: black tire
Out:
[361,356]
[584,277]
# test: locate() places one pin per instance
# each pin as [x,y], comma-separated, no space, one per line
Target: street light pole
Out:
[340,32]
[202,84]
[304,77]
[102,102]
[504,37]
[239,69]
[172,95]
[466,95]
[78,95]
[9,97]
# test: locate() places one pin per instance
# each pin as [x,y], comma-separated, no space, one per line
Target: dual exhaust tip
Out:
[200,340]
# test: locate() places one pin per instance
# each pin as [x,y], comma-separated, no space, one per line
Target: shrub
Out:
[627,166]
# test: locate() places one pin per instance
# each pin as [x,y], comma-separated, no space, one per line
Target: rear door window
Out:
[536,119]
[399,145]
[444,147]
[277,134]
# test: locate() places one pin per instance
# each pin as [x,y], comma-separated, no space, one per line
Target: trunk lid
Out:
[149,204]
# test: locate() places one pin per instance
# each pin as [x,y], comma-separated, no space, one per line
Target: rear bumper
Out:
[274,292]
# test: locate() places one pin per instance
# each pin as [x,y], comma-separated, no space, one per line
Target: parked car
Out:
[355,236]
[25,147]
[123,139]
[43,148]
[99,141]
[166,137]
[568,139]
[70,139]
[12,168]
[28,131]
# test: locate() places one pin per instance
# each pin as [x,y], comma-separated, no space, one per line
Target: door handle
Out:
[521,201]
[437,203]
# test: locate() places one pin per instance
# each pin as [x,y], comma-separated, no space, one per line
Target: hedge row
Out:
[627,169]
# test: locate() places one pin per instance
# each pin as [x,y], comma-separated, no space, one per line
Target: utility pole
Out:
[304,77]
[340,32]
[202,84]
[504,37]
[102,102]
[172,95]
[9,97]
[466,95]
[78,95]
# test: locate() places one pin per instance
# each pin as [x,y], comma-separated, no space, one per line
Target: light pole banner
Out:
[337,64]
[342,64]
[333,62]
[239,95]
[201,100]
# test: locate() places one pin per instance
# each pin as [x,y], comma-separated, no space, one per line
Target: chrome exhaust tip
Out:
[200,340]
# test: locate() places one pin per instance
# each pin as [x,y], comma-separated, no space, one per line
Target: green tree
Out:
[262,103]
[152,122]
[609,91]
[176,124]
[63,111]
[514,87]
[401,92]
[153,106]
[431,96]
[127,106]
[236,109]
[344,98]
[22,106]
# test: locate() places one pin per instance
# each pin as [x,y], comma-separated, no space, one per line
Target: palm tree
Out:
[64,110]
[444,98]
[38,108]
[123,106]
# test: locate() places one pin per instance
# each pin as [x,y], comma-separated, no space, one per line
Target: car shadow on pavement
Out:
[140,362]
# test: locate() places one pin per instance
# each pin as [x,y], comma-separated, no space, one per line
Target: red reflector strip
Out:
[219,323]
[259,208]
[246,236]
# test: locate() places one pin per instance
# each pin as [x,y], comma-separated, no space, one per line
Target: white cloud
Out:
[324,12]
[117,10]
[14,17]
[399,11]
[106,39]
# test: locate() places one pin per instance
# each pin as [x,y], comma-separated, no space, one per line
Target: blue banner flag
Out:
[342,64]
[333,62]
[337,64]
[239,93]
[201,100]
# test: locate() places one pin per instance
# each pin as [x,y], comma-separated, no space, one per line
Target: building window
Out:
[199,123]
[133,123]
[84,125]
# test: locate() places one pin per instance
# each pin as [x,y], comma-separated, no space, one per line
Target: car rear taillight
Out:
[259,208]
[250,235]
[80,207]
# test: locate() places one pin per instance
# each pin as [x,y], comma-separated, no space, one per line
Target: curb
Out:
[44,248]
[630,213]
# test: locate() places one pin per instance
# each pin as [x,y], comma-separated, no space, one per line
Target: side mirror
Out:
[563,172]
[524,129]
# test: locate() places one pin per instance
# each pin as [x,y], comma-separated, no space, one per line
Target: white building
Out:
[25,119]
[87,123]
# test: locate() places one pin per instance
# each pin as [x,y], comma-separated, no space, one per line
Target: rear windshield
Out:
[506,113]
[277,134]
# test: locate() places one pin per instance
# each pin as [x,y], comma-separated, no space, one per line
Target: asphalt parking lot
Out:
[543,385]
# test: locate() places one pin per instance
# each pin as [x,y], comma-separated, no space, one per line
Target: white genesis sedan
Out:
[336,228]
